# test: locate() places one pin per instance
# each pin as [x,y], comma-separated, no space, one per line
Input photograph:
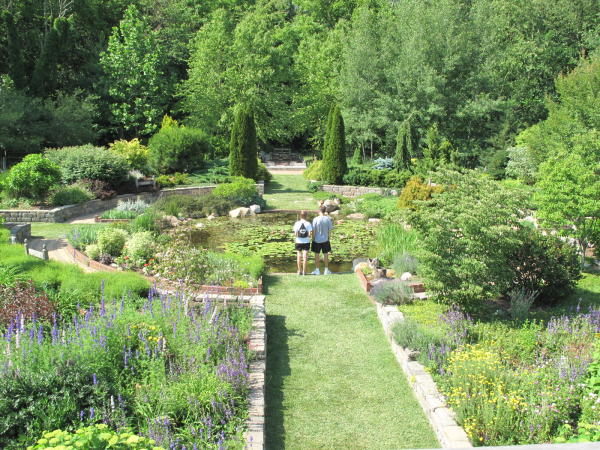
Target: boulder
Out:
[390,273]
[334,213]
[172,220]
[406,276]
[356,216]
[331,204]
[239,212]
[199,225]
[374,220]
[212,217]
[255,209]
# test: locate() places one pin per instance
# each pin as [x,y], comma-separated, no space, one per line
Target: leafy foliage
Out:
[178,149]
[70,195]
[89,162]
[32,178]
[95,436]
[134,152]
[416,190]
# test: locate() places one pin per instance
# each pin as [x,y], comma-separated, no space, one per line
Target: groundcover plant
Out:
[170,371]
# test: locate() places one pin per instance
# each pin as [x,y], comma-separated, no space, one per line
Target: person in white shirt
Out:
[302,232]
[322,226]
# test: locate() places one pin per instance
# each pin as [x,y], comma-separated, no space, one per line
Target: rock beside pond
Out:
[172,220]
[356,216]
[199,225]
[334,213]
[406,276]
[374,220]
[239,212]
[212,217]
[331,205]
[255,209]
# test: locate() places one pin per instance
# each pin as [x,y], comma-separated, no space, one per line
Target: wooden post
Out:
[26,245]
[44,252]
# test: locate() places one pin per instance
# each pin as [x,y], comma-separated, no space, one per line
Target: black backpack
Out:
[302,231]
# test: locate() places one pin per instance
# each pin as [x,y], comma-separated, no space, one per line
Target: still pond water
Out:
[271,236]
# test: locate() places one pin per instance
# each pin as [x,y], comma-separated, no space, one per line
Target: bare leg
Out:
[326,260]
[304,261]
[317,260]
[299,261]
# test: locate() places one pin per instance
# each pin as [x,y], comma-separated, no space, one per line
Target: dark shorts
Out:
[300,247]
[319,247]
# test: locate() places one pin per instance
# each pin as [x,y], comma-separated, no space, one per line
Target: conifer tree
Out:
[243,156]
[334,151]
[405,146]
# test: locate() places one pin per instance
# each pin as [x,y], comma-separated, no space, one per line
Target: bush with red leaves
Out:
[22,297]
[101,189]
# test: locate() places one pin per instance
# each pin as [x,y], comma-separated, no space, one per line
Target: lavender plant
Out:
[171,372]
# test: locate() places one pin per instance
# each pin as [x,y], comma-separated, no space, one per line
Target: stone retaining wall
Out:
[255,434]
[19,232]
[355,191]
[64,213]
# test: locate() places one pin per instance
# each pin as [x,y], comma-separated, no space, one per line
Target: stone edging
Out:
[255,434]
[440,416]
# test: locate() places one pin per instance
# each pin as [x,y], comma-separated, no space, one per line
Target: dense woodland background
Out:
[474,73]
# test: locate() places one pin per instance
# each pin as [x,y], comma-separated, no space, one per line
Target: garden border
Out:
[441,417]
[255,435]
[82,258]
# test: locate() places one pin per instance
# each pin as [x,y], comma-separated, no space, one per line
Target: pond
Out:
[270,235]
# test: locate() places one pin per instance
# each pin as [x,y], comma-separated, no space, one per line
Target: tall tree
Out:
[406,145]
[334,152]
[136,87]
[243,156]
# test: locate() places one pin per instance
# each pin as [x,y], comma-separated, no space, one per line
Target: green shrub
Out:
[167,181]
[92,251]
[211,204]
[314,186]
[111,241]
[241,191]
[178,149]
[4,235]
[134,152]
[128,209]
[93,437]
[146,222]
[70,195]
[395,292]
[114,214]
[89,162]
[262,173]
[83,235]
[174,205]
[314,172]
[140,246]
[544,264]
[427,341]
[31,178]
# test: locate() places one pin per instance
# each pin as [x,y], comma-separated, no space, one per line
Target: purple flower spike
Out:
[94,379]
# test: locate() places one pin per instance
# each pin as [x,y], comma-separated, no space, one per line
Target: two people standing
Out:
[319,230]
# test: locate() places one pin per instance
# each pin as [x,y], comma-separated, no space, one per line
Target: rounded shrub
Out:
[241,192]
[416,189]
[32,178]
[140,246]
[92,251]
[89,162]
[178,149]
[70,195]
[111,241]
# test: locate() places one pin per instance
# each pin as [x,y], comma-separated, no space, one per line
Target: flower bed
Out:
[169,372]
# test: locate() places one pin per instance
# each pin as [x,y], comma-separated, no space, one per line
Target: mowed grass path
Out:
[289,192]
[332,381]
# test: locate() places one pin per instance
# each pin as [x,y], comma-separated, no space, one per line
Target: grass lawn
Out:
[52,230]
[332,381]
[288,192]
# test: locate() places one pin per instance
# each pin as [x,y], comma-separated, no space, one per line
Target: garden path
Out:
[331,379]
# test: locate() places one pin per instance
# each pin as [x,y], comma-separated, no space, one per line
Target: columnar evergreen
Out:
[334,149]
[405,146]
[243,157]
